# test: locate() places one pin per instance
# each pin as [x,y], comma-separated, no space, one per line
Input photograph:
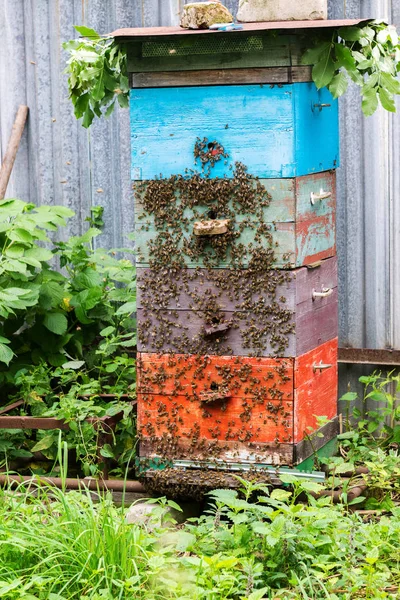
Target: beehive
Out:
[234,158]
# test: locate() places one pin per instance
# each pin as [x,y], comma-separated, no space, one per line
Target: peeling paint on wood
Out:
[304,231]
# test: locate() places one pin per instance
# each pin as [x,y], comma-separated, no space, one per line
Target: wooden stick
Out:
[12,149]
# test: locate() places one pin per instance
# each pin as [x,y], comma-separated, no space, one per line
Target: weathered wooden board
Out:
[253,410]
[221,77]
[304,232]
[315,388]
[280,131]
[184,331]
[232,451]
[190,375]
[284,234]
[290,200]
[173,293]
[175,319]
[264,425]
[296,244]
[219,51]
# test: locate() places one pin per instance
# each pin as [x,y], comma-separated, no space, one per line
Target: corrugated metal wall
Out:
[60,162]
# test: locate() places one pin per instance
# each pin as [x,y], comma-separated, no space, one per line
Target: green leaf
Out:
[350,34]
[123,100]
[4,340]
[89,278]
[107,331]
[377,396]
[21,453]
[110,109]
[281,495]
[73,364]
[126,309]
[324,70]
[56,323]
[311,486]
[349,396]
[345,57]
[259,594]
[81,104]
[88,117]
[129,343]
[41,254]
[181,541]
[389,82]
[6,354]
[338,85]
[373,555]
[370,102]
[15,251]
[20,235]
[52,293]
[387,100]
[364,65]
[98,90]
[312,55]
[107,451]
[5,587]
[45,443]
[87,32]
[358,500]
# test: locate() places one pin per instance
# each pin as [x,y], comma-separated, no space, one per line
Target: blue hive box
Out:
[277,130]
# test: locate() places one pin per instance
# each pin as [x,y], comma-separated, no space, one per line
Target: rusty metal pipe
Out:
[114,485]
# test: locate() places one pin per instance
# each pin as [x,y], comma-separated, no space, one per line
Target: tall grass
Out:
[67,545]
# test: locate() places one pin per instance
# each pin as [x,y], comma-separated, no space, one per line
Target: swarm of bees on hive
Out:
[226,271]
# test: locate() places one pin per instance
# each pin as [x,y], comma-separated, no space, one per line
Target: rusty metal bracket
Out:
[369,356]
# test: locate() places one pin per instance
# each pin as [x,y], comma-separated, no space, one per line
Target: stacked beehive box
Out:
[234,152]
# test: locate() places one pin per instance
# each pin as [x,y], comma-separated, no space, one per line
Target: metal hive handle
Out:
[323,294]
[321,196]
[321,367]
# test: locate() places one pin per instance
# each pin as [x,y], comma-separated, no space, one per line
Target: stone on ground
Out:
[142,513]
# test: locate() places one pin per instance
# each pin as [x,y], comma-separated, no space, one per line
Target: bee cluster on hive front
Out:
[216,372]
[237,286]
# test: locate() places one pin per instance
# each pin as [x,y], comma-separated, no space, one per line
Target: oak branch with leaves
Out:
[367,54]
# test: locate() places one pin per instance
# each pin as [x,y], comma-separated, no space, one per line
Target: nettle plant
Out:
[367,54]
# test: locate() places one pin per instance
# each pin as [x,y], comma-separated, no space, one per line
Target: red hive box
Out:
[234,408]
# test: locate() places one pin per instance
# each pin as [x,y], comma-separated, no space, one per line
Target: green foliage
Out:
[376,427]
[372,438]
[368,55]
[96,217]
[97,76]
[25,265]
[65,337]
[58,546]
